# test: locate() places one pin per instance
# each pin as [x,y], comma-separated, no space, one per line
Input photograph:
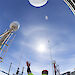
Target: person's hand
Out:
[28,64]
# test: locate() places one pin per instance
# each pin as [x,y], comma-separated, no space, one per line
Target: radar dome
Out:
[15,25]
[38,3]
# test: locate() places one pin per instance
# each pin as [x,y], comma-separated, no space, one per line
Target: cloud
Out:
[32,29]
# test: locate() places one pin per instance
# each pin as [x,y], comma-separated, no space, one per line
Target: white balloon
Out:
[46,17]
[38,3]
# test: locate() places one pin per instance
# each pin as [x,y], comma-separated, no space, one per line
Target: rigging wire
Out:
[5,47]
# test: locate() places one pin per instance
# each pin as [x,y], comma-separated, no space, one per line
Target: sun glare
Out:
[41,48]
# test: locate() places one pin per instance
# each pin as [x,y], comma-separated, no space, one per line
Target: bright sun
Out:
[41,47]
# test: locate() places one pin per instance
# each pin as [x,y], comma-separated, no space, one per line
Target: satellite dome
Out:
[15,25]
[38,3]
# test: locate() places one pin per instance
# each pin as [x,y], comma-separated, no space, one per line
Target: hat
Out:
[44,72]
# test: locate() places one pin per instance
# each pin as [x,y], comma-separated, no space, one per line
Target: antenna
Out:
[5,38]
[22,70]
[9,69]
[50,55]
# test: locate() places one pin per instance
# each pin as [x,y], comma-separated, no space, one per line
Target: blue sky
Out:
[35,30]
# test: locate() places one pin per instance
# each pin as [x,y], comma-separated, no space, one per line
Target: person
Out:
[28,68]
[17,71]
[44,72]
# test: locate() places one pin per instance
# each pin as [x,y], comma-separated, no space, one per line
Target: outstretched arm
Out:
[28,68]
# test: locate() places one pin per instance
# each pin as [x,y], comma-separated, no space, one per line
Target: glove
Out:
[28,64]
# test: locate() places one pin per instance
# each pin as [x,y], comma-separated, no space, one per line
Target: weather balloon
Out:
[46,17]
[38,3]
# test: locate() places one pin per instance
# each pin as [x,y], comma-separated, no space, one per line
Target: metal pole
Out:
[22,71]
[51,56]
[9,68]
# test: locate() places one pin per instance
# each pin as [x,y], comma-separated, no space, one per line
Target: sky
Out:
[31,41]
